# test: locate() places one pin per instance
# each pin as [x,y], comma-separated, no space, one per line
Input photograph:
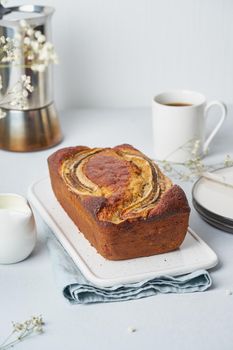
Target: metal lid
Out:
[34,14]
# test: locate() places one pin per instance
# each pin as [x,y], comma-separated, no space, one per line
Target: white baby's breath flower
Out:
[24,78]
[194,166]
[8,49]
[38,52]
[27,40]
[19,93]
[37,34]
[29,44]
[25,93]
[29,31]
[2,39]
[23,24]
[31,47]
[18,326]
[196,148]
[26,81]
[35,46]
[23,330]
[41,39]
[228,161]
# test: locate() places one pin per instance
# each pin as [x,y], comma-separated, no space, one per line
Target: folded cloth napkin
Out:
[78,290]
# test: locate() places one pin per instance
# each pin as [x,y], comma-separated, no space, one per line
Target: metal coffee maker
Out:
[35,126]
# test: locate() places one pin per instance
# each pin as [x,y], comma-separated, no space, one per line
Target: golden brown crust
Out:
[109,180]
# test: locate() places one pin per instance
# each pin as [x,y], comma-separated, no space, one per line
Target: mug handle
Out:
[219,124]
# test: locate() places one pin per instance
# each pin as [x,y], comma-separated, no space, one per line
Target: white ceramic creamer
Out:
[17,228]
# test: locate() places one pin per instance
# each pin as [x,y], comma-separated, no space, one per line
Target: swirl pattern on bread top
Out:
[129,182]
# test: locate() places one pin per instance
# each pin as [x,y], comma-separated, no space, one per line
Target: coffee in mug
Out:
[179,119]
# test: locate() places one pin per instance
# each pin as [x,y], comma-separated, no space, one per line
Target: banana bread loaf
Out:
[120,200]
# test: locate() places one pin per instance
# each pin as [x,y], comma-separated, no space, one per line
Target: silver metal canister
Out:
[36,125]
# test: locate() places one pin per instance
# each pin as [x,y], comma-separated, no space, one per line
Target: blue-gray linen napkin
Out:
[78,290]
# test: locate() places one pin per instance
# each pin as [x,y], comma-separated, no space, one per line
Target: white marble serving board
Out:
[193,254]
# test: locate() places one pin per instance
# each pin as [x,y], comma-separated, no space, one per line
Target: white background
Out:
[122,52]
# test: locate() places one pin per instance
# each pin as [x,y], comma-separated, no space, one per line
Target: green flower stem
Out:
[6,340]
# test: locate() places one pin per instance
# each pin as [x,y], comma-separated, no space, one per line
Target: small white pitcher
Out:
[17,228]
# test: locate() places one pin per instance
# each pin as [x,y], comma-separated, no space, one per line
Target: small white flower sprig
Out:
[29,48]
[194,166]
[17,96]
[8,50]
[23,330]
[37,51]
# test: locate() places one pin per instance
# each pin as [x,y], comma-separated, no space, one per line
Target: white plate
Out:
[193,254]
[215,197]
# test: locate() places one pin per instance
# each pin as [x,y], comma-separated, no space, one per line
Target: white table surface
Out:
[191,321]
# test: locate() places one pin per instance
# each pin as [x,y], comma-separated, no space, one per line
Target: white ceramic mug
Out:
[17,228]
[176,128]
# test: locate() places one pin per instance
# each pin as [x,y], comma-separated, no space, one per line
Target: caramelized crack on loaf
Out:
[130,183]
[122,202]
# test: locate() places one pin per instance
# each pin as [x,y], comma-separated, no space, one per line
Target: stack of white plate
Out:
[214,201]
